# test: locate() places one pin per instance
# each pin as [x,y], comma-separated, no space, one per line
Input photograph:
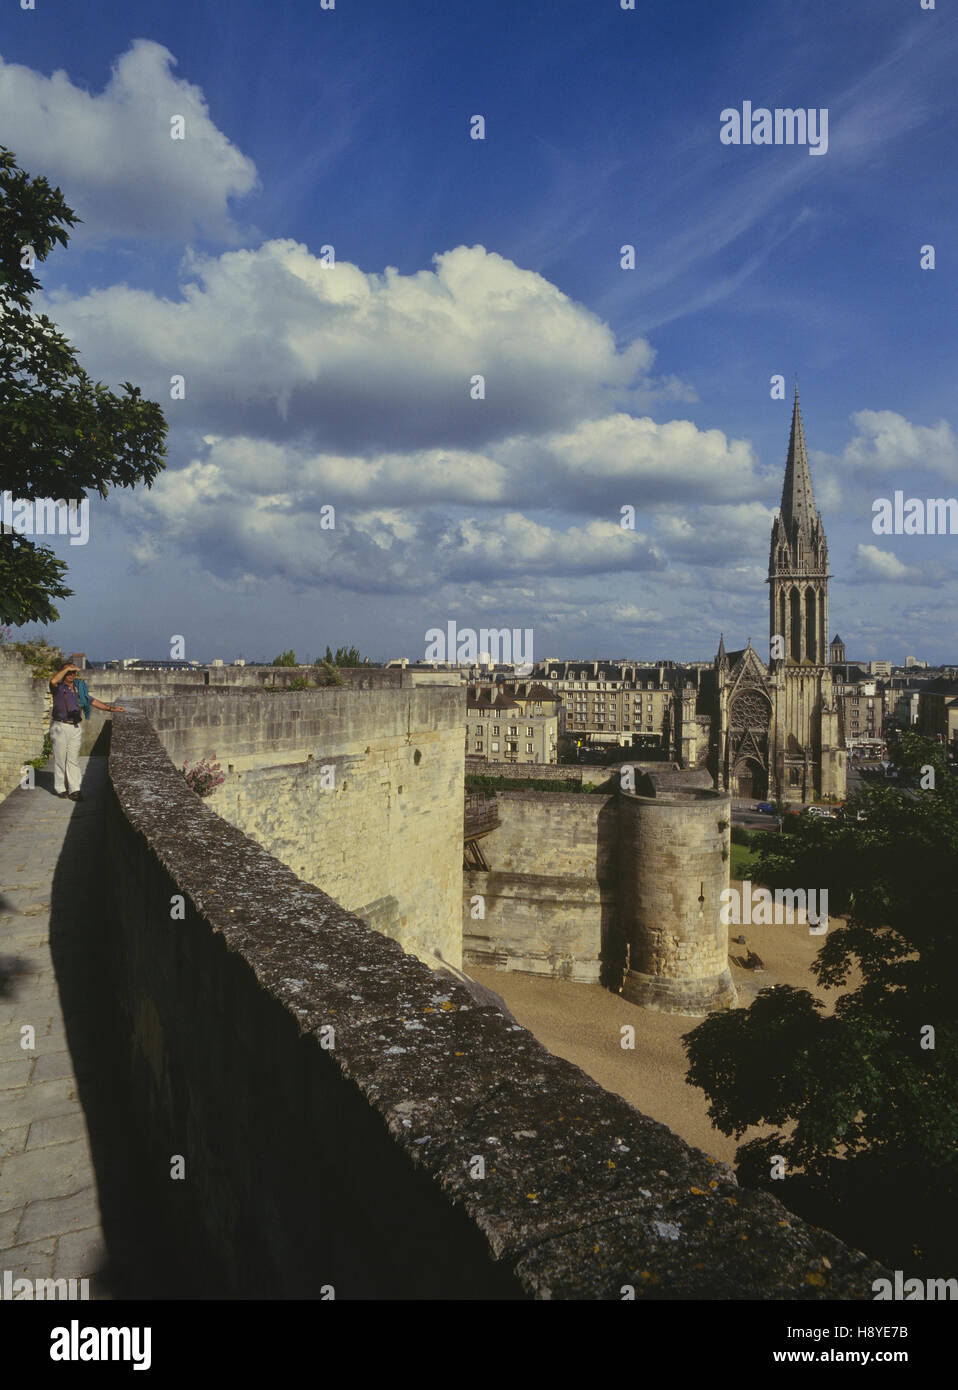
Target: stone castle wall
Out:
[605,775]
[549,899]
[330,1097]
[24,717]
[623,890]
[130,687]
[673,862]
[359,791]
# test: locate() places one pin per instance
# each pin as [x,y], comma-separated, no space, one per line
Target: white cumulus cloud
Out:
[873,563]
[888,443]
[112,152]
[274,344]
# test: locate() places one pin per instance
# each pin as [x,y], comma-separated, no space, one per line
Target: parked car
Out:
[767,808]
[822,812]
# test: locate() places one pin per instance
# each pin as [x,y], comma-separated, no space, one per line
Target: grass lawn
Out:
[740,862]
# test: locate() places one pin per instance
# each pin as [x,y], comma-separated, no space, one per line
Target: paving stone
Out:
[49,1202]
[28,991]
[31,1261]
[80,1253]
[56,1171]
[15,1074]
[53,1066]
[25,933]
[10,1049]
[9,1221]
[58,1130]
[38,1101]
[13,1141]
[39,1019]
[60,1216]
[24,899]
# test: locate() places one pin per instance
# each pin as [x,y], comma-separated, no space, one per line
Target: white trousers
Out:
[66,739]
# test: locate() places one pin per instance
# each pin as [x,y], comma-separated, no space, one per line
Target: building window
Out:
[495,728]
[529,730]
[530,748]
[513,728]
[479,745]
[495,748]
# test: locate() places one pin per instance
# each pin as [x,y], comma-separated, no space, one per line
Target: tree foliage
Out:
[327,674]
[868,1110]
[62,435]
[44,658]
[285,658]
[343,656]
[911,754]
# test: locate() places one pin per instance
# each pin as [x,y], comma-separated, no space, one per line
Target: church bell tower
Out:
[798,564]
[809,759]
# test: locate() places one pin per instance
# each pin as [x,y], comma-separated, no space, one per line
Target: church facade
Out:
[773,729]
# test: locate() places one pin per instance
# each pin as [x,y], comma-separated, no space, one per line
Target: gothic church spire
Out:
[798,503]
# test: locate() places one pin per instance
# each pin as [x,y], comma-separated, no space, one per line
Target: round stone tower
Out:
[673,857]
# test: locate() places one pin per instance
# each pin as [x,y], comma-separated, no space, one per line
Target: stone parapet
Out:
[332,1097]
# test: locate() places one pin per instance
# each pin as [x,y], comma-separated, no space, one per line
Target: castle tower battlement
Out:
[673,868]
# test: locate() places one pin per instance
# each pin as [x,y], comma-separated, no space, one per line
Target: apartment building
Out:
[512,723]
[938,711]
[863,711]
[613,702]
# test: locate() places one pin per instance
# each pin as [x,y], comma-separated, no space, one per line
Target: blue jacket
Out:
[83,695]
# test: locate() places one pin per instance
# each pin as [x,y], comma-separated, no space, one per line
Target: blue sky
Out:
[310,385]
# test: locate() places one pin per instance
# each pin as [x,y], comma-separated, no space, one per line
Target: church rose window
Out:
[750,710]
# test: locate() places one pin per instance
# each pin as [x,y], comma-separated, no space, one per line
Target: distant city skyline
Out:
[313,279]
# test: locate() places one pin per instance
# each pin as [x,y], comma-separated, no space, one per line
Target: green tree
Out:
[327,674]
[869,1106]
[62,435]
[343,656]
[285,658]
[43,658]
[911,753]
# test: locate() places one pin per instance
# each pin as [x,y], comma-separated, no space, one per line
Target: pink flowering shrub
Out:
[205,777]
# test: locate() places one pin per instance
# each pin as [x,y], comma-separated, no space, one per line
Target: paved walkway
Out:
[69,1203]
[49,1205]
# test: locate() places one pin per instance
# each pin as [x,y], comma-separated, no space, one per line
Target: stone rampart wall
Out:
[357,790]
[331,1096]
[24,717]
[588,774]
[548,902]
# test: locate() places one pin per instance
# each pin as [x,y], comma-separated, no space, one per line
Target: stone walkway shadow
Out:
[71,1203]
